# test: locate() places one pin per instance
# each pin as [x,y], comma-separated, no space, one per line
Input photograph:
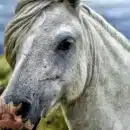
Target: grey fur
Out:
[93,77]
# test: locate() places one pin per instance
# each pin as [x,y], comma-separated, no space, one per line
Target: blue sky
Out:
[6,12]
[108,2]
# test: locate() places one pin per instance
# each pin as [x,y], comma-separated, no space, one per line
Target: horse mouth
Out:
[11,118]
[47,111]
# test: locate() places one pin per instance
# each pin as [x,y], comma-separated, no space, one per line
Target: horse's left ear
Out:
[74,3]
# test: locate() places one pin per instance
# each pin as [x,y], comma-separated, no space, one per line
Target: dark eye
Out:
[65,44]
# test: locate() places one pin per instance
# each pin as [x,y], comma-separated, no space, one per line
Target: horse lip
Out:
[44,113]
[36,124]
[33,122]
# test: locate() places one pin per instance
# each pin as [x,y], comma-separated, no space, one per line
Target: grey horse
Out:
[64,52]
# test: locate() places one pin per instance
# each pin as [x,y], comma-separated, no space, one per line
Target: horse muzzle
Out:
[32,110]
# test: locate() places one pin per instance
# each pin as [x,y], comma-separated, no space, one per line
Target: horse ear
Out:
[74,3]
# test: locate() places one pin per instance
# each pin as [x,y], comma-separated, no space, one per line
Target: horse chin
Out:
[36,124]
[35,121]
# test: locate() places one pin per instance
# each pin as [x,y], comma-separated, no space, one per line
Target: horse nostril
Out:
[25,108]
[26,104]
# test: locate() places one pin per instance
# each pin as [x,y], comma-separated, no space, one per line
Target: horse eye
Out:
[65,45]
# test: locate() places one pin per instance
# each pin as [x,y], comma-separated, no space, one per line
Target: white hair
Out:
[26,13]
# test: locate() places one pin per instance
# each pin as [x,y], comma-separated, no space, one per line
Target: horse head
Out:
[45,46]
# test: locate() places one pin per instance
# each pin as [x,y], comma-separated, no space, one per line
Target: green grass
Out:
[55,120]
[5,72]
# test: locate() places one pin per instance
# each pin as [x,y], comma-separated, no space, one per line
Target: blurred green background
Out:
[5,72]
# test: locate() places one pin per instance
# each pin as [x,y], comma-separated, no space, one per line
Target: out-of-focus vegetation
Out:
[54,121]
[5,72]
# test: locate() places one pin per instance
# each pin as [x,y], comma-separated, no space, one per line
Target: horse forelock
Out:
[26,14]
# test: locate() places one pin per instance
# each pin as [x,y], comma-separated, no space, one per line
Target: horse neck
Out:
[105,103]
